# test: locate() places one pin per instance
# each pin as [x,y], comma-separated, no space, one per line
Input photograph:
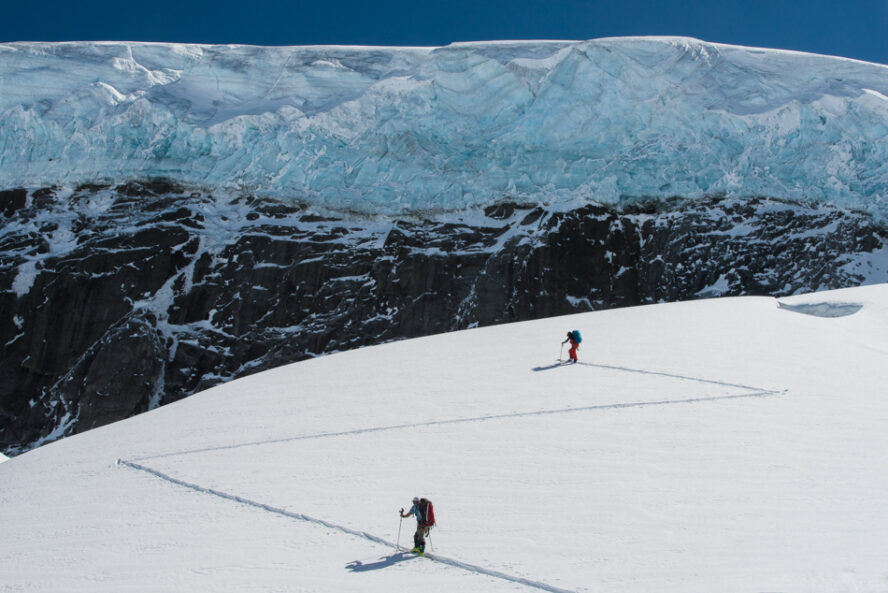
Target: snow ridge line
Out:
[333,526]
[358,431]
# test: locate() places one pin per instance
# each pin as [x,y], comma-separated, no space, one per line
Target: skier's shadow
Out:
[551,366]
[384,562]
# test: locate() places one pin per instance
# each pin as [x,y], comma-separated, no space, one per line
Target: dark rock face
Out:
[118,300]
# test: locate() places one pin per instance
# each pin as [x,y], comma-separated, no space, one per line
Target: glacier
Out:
[380,130]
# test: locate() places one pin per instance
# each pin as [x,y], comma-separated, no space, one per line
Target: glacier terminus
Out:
[393,130]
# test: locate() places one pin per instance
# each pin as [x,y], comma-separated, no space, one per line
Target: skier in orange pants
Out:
[574,344]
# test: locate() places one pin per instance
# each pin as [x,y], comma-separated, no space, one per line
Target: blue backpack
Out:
[576,336]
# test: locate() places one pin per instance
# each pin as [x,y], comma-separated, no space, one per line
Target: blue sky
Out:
[852,28]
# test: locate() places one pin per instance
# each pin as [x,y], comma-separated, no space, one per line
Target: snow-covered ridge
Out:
[396,129]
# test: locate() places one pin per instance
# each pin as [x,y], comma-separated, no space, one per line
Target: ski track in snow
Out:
[616,406]
[750,392]
[333,526]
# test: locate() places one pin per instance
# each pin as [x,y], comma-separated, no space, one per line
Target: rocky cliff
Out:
[119,299]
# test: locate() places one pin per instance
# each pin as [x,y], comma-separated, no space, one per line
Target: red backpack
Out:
[427,512]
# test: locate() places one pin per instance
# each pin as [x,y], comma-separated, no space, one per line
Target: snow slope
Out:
[398,129]
[723,445]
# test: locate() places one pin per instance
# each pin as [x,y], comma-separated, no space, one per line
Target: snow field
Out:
[728,445]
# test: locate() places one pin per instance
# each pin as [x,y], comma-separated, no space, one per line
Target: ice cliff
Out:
[392,130]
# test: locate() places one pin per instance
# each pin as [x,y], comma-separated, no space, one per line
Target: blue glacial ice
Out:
[389,130]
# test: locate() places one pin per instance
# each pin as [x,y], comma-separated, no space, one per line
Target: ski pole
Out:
[431,545]
[398,545]
[561,353]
